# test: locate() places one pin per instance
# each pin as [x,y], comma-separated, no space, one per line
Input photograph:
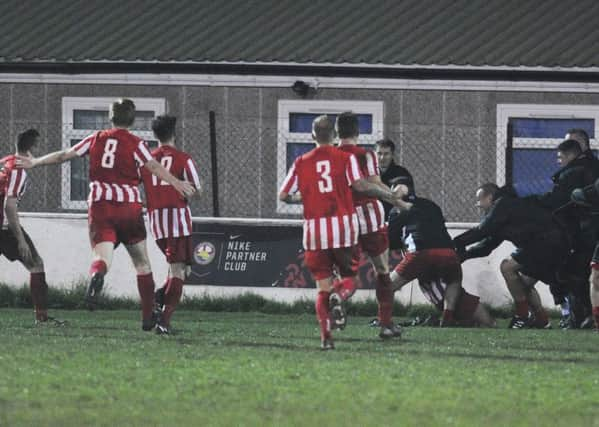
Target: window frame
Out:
[284,136]
[69,105]
[537,111]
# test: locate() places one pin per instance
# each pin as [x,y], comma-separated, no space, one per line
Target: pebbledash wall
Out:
[449,133]
[62,241]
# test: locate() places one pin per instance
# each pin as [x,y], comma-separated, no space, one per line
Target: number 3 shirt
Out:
[115,156]
[169,212]
[324,177]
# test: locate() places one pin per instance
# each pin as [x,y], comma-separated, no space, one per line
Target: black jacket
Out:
[577,174]
[420,227]
[392,172]
[521,221]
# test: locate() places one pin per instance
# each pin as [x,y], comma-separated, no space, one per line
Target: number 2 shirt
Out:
[169,212]
[324,177]
[115,156]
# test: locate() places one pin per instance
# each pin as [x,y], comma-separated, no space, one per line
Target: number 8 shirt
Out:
[324,177]
[115,156]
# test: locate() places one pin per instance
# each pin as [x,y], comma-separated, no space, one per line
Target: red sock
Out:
[322,314]
[345,288]
[596,316]
[522,309]
[172,296]
[39,295]
[384,296]
[145,286]
[98,266]
[448,315]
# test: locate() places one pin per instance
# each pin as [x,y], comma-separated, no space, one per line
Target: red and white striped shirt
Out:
[324,177]
[115,156]
[170,222]
[169,212]
[13,183]
[370,211]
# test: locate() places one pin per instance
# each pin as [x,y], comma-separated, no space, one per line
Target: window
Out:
[295,131]
[82,116]
[527,138]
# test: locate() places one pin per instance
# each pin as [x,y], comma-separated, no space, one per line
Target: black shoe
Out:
[327,344]
[588,323]
[374,323]
[337,312]
[163,330]
[50,321]
[93,290]
[566,322]
[391,331]
[159,297]
[518,322]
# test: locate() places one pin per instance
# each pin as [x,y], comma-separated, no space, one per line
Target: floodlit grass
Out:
[258,369]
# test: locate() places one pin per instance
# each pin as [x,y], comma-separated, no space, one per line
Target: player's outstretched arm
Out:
[49,159]
[381,192]
[12,217]
[183,187]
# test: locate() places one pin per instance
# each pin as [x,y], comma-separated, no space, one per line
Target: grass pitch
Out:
[229,369]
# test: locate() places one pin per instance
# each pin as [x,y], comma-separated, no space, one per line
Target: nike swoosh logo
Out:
[235,237]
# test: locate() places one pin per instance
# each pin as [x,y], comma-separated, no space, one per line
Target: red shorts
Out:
[374,243]
[431,264]
[177,249]
[321,262]
[116,222]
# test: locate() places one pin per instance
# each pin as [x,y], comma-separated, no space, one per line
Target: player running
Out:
[372,236]
[324,178]
[15,243]
[115,209]
[170,217]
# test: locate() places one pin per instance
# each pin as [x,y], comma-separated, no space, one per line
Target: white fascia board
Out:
[232,80]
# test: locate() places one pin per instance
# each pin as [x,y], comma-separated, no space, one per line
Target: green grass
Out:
[259,369]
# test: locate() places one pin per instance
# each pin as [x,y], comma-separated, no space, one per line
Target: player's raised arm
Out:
[77,150]
[183,187]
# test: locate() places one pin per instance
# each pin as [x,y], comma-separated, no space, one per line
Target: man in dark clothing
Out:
[577,170]
[389,170]
[541,245]
[430,257]
[582,137]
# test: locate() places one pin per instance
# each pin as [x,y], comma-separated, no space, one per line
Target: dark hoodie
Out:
[518,220]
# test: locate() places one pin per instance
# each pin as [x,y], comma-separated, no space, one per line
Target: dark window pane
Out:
[532,170]
[79,176]
[550,128]
[296,149]
[94,119]
[302,122]
[152,144]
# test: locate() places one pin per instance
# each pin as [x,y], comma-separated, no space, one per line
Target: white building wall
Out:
[62,241]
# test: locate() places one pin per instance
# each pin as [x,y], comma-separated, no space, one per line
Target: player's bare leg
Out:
[483,318]
[519,290]
[325,287]
[534,301]
[39,288]
[101,261]
[450,301]
[172,295]
[384,296]
[145,282]
[595,294]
